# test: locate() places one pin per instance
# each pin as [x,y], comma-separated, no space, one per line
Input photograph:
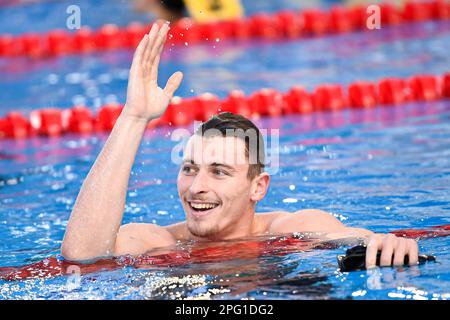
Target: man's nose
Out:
[199,185]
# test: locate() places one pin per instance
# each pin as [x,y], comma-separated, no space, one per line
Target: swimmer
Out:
[199,11]
[220,181]
[170,10]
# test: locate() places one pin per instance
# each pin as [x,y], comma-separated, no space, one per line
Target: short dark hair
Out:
[174,5]
[238,126]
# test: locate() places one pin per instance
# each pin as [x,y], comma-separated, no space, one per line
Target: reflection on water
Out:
[268,266]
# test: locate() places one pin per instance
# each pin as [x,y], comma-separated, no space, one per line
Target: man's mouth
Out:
[202,208]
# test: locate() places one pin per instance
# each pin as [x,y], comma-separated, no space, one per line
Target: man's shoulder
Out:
[264,220]
[136,238]
[178,230]
[298,221]
[275,215]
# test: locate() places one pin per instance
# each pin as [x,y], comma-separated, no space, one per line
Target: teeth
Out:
[203,205]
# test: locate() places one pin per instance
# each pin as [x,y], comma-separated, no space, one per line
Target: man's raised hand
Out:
[145,100]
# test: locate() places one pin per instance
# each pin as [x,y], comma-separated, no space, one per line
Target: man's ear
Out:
[260,185]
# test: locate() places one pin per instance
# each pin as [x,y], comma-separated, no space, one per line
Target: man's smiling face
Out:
[214,187]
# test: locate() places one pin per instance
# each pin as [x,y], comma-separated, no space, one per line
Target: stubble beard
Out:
[208,231]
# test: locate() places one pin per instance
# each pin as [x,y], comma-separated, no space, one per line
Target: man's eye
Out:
[220,172]
[187,170]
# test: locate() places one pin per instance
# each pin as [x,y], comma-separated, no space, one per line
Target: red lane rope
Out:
[282,24]
[265,102]
[431,232]
[52,267]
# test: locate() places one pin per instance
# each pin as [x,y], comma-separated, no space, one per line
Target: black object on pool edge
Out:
[355,259]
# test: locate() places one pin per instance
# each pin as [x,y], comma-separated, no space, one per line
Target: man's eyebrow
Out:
[189,161]
[217,164]
[214,164]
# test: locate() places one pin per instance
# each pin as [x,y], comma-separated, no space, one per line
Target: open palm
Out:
[145,99]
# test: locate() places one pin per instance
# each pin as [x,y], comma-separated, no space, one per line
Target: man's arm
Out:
[393,249]
[97,214]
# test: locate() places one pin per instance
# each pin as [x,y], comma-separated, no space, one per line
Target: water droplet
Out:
[53,79]
[289,200]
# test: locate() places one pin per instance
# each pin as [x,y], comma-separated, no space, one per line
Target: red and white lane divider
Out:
[283,24]
[265,102]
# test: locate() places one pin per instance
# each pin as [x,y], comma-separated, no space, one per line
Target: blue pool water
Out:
[382,169]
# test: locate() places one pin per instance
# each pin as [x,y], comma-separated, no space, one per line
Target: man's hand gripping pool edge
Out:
[94,229]
[393,250]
